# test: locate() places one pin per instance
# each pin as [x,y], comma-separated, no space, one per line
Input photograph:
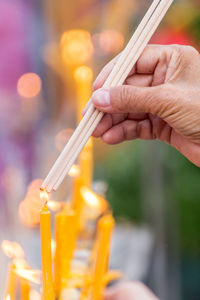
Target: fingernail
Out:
[101,98]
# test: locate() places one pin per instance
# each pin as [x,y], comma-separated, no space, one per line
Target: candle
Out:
[78,200]
[86,163]
[11,283]
[24,289]
[83,76]
[46,256]
[104,232]
[66,234]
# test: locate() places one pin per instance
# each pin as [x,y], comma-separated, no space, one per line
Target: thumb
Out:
[129,99]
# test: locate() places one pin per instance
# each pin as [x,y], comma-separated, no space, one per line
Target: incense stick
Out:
[127,60]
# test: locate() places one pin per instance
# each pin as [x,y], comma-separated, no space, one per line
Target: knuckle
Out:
[126,95]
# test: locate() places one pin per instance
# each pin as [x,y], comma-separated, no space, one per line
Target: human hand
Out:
[160,99]
[129,291]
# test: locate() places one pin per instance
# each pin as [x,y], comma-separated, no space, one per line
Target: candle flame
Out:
[8,297]
[76,47]
[74,171]
[55,205]
[44,197]
[33,276]
[83,73]
[12,249]
[93,200]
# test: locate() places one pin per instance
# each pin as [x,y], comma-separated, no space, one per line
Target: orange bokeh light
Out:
[29,85]
[12,249]
[108,41]
[76,47]
[74,171]
[93,200]
[83,73]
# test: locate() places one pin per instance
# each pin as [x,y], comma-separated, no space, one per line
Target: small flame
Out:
[33,276]
[55,205]
[44,197]
[74,171]
[12,249]
[8,297]
[20,263]
[93,200]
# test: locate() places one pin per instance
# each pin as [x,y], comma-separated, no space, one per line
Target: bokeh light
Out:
[76,47]
[29,85]
[12,249]
[109,41]
[83,73]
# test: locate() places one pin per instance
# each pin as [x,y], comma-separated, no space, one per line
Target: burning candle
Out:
[66,234]
[104,233]
[46,256]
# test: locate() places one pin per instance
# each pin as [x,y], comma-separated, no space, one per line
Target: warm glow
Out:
[55,205]
[33,276]
[29,85]
[93,200]
[34,295]
[74,171]
[108,41]
[44,197]
[76,47]
[83,73]
[20,263]
[63,137]
[8,297]
[12,249]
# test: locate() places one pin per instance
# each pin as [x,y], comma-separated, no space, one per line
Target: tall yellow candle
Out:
[24,289]
[11,283]
[66,235]
[45,235]
[104,233]
[83,76]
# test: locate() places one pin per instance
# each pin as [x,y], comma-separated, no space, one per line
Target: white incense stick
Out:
[80,129]
[118,75]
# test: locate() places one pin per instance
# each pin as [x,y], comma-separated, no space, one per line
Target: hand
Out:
[159,100]
[129,291]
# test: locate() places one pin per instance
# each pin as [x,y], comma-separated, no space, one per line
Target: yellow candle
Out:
[45,235]
[24,289]
[86,163]
[78,200]
[83,76]
[66,234]
[11,283]
[104,233]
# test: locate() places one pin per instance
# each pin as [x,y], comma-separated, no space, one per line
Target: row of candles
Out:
[82,227]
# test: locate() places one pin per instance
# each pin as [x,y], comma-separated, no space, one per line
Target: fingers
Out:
[129,99]
[130,291]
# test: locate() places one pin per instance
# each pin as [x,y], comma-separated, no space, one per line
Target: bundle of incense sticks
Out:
[121,70]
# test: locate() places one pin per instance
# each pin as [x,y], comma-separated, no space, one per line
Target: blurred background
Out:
[50,51]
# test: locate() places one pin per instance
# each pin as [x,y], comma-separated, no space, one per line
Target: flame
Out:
[33,276]
[55,205]
[20,263]
[29,85]
[12,249]
[8,297]
[93,200]
[74,171]
[63,137]
[76,47]
[83,73]
[44,197]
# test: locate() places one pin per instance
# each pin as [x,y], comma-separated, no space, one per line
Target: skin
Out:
[129,291]
[159,100]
